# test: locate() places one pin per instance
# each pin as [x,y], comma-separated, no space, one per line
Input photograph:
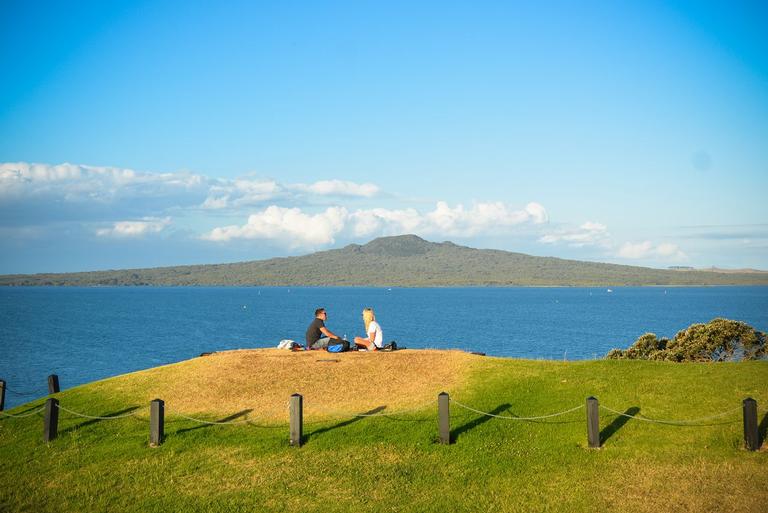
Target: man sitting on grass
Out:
[318,336]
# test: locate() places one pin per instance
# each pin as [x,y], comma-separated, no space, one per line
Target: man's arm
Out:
[328,333]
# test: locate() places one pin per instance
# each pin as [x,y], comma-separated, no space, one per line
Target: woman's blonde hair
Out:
[368,316]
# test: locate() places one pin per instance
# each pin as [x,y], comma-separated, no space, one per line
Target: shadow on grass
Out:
[22,412]
[94,421]
[555,421]
[762,430]
[479,420]
[402,418]
[609,430]
[232,417]
[320,431]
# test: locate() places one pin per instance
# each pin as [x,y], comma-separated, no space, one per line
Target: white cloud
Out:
[125,229]
[245,192]
[289,225]
[242,192]
[154,192]
[75,183]
[588,234]
[646,249]
[305,230]
[636,251]
[382,221]
[216,202]
[537,213]
[480,218]
[340,188]
[667,249]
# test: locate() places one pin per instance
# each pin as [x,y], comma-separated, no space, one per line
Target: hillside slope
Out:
[405,260]
[391,461]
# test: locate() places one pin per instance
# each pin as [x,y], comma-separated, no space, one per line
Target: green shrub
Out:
[717,340]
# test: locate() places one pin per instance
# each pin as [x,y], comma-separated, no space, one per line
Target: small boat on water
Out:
[609,290]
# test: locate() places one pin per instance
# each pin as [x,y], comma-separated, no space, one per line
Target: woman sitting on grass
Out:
[375,338]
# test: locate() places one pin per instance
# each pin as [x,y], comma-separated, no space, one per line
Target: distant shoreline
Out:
[402,261]
[203,286]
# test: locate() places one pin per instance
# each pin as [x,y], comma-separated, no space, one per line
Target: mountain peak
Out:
[400,245]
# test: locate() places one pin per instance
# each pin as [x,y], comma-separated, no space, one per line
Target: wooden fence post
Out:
[751,435]
[296,408]
[156,422]
[51,420]
[444,418]
[53,384]
[593,422]
[2,394]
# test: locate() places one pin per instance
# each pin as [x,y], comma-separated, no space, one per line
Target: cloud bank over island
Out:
[299,229]
[112,203]
[285,212]
[78,184]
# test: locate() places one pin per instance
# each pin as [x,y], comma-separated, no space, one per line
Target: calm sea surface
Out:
[84,334]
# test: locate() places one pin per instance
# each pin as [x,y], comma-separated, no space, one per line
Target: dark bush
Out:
[717,340]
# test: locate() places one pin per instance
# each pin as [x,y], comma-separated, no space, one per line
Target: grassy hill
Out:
[406,261]
[393,463]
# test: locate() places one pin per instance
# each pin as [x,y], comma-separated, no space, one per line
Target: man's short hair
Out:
[319,311]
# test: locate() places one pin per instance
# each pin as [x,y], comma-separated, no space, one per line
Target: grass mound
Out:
[394,463]
[260,381]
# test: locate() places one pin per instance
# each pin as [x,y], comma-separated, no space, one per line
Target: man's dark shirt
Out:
[313,332]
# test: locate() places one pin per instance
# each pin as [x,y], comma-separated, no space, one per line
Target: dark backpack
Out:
[338,346]
[391,346]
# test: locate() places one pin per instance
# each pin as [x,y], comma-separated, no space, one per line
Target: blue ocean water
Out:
[84,334]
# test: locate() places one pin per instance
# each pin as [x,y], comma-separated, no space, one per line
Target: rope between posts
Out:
[21,416]
[509,417]
[377,414]
[683,422]
[77,414]
[201,421]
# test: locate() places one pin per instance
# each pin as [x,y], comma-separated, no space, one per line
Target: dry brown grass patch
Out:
[262,380]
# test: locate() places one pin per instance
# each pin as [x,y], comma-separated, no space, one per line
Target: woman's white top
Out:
[375,334]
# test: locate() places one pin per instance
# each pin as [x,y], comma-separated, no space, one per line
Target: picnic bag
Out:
[339,346]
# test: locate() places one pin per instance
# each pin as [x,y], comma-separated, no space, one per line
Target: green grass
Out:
[395,464]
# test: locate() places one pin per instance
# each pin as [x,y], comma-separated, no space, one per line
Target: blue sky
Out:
[138,134]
